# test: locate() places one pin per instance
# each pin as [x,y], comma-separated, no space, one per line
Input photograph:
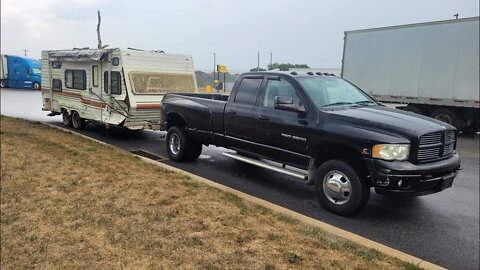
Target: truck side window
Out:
[247,91]
[278,88]
[116,82]
[95,76]
[27,70]
[75,79]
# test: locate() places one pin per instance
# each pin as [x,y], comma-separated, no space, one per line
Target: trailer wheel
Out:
[3,84]
[67,118]
[340,188]
[178,144]
[36,86]
[447,116]
[195,151]
[77,121]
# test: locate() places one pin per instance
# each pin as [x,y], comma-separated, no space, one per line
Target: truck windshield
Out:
[36,71]
[332,91]
[151,83]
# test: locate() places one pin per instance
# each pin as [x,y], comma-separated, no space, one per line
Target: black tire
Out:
[357,196]
[77,121]
[413,109]
[67,118]
[180,148]
[3,84]
[36,86]
[195,151]
[448,116]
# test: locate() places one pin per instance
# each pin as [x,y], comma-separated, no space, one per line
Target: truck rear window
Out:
[161,83]
[247,91]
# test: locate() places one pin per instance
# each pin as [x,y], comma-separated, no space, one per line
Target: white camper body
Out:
[113,86]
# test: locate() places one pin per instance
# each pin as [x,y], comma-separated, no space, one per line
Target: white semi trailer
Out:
[432,68]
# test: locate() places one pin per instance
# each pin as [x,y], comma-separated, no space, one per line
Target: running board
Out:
[266,165]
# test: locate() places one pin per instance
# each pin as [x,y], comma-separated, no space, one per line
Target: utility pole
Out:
[214,67]
[270,59]
[25,52]
[456,16]
[258,61]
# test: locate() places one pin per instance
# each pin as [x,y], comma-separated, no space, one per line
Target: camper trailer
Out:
[112,86]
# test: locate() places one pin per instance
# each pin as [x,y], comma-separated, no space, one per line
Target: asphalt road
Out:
[442,228]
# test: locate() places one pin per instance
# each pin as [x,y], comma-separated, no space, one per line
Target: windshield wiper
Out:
[338,103]
[365,102]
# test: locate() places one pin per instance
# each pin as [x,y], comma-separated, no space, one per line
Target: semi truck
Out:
[20,72]
[318,128]
[430,68]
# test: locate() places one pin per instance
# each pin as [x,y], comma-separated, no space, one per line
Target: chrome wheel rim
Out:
[174,144]
[337,187]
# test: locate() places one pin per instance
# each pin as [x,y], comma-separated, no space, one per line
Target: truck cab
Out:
[20,72]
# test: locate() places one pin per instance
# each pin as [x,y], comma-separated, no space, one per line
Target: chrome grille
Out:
[435,146]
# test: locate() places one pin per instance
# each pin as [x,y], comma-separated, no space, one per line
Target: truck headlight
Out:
[391,151]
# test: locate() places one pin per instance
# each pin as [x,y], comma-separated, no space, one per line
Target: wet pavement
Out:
[442,228]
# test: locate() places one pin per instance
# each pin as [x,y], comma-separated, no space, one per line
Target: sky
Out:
[302,32]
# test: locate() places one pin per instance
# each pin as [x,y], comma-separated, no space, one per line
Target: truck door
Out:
[283,134]
[240,114]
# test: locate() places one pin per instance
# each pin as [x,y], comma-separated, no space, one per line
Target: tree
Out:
[258,69]
[286,66]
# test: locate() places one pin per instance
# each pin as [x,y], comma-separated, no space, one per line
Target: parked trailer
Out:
[113,86]
[19,72]
[432,67]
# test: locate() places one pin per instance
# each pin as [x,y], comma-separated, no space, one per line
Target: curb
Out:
[279,209]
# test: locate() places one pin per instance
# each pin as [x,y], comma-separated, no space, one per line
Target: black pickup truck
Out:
[342,140]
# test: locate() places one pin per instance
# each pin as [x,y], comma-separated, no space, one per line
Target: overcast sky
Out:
[302,31]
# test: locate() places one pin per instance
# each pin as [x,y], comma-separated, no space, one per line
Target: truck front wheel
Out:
[36,86]
[340,188]
[178,144]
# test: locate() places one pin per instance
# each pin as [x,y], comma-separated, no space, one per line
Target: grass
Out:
[68,202]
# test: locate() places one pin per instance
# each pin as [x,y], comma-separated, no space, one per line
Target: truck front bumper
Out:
[403,178]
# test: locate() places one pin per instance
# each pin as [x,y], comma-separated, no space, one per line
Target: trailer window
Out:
[57,85]
[161,83]
[75,79]
[116,82]
[95,76]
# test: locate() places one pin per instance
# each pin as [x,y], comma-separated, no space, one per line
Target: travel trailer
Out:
[113,86]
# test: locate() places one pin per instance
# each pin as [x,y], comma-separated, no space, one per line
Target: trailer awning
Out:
[78,55]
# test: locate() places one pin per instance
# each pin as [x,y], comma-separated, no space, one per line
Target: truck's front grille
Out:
[436,146]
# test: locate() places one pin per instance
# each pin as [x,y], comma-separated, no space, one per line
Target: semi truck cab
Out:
[20,72]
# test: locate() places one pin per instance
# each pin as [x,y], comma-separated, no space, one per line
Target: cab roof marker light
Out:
[294,73]
[319,73]
[310,73]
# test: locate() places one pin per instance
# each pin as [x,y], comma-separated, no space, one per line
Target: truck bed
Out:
[203,111]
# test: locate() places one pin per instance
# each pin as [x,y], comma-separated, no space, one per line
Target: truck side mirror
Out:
[286,104]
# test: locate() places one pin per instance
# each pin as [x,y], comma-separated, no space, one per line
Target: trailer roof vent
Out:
[310,73]
[294,73]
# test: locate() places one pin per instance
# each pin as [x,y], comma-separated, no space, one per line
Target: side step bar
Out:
[266,165]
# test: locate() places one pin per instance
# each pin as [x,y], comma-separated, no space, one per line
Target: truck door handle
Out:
[231,111]
[263,117]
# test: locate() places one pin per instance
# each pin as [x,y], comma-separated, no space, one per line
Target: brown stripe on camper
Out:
[148,106]
[91,102]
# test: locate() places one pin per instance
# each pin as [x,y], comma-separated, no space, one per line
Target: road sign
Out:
[221,69]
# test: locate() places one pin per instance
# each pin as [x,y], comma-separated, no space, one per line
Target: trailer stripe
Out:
[148,106]
[91,102]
